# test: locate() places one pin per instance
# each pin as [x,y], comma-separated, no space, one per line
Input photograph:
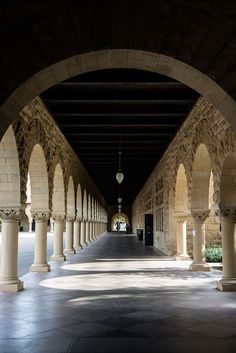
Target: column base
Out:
[200,267]
[69,251]
[58,258]
[227,285]
[78,248]
[40,268]
[11,285]
[182,258]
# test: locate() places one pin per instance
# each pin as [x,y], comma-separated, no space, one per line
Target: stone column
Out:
[228,221]
[58,238]
[69,250]
[181,220]
[83,233]
[9,280]
[77,235]
[199,262]
[40,253]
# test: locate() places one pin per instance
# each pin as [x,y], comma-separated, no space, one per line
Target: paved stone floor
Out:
[118,296]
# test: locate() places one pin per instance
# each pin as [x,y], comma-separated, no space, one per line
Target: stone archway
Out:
[200,204]
[58,213]
[39,207]
[117,58]
[181,213]
[10,213]
[122,219]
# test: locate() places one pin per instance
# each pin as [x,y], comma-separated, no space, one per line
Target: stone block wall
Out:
[204,125]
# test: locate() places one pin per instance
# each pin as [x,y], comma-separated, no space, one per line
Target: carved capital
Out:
[200,215]
[58,217]
[70,218]
[78,219]
[181,217]
[226,213]
[7,214]
[40,216]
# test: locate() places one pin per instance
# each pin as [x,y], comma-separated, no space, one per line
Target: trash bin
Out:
[140,234]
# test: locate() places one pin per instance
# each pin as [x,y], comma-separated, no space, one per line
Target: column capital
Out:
[40,216]
[200,215]
[70,218]
[58,217]
[226,213]
[181,217]
[78,219]
[10,213]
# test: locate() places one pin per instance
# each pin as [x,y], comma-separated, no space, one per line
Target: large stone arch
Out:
[117,58]
[39,180]
[9,172]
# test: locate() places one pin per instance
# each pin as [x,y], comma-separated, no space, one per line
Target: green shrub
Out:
[213,254]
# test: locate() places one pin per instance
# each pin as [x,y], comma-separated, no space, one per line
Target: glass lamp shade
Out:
[119,199]
[119,177]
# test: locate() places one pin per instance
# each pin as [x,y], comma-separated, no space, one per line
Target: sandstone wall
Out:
[204,125]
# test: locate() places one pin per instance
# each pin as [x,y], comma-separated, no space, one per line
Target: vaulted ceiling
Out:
[105,111]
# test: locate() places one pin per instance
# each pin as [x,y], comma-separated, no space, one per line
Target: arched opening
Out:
[119,221]
[200,206]
[181,191]
[79,203]
[85,205]
[58,196]
[201,179]
[181,213]
[71,198]
[9,171]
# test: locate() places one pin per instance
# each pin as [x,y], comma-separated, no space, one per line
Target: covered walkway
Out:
[116,296]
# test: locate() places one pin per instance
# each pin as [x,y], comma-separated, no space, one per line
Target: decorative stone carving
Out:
[40,216]
[181,217]
[70,218]
[200,215]
[10,214]
[58,218]
[226,213]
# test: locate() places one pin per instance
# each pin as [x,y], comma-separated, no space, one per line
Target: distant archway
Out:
[121,219]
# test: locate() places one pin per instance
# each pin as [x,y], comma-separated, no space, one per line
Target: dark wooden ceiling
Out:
[135,111]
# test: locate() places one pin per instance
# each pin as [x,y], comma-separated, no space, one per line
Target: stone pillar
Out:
[9,280]
[181,220]
[228,221]
[83,233]
[69,250]
[58,255]
[40,253]
[77,235]
[199,262]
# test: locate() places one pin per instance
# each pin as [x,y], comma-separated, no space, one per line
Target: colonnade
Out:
[228,229]
[80,232]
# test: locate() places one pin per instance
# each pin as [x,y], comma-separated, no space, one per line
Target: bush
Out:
[213,254]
